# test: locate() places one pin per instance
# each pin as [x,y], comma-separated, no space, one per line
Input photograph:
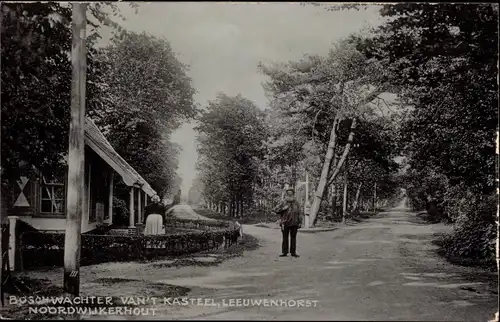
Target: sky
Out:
[224,42]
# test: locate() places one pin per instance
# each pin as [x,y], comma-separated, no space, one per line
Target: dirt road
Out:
[382,269]
[186,212]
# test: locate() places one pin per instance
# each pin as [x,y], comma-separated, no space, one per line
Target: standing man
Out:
[291,218]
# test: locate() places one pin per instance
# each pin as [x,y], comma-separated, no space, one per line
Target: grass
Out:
[246,243]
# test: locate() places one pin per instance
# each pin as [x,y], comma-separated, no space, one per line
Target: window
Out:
[52,194]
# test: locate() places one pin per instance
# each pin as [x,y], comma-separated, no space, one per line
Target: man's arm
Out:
[279,208]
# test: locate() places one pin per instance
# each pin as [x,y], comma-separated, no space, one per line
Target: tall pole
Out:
[131,208]
[110,197]
[306,203]
[76,155]
[1,192]
[307,187]
[344,208]
[139,207]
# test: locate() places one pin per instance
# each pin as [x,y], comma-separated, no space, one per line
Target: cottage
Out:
[41,200]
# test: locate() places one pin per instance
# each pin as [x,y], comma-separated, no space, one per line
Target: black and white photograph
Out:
[332,161]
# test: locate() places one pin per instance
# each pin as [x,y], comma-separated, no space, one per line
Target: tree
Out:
[451,87]
[36,82]
[36,74]
[151,95]
[338,87]
[177,197]
[231,132]
[372,160]
[195,194]
[444,58]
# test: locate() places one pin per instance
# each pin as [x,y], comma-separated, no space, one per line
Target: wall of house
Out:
[59,224]
[97,191]
[42,223]
[27,206]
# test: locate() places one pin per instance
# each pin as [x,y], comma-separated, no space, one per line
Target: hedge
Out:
[196,224]
[47,249]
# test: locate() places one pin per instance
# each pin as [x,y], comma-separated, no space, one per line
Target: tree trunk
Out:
[347,148]
[365,101]
[356,199]
[344,204]
[334,200]
[233,202]
[334,190]
[375,197]
[318,195]
[238,207]
[321,185]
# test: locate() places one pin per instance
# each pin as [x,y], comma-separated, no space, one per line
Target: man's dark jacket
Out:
[290,213]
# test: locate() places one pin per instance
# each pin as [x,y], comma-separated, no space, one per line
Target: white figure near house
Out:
[240,228]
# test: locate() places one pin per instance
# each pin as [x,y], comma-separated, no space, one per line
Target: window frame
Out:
[51,184]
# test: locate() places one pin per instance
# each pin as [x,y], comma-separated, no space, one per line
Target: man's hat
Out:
[290,189]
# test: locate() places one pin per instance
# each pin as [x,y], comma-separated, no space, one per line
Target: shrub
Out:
[120,211]
[424,185]
[472,241]
[47,249]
